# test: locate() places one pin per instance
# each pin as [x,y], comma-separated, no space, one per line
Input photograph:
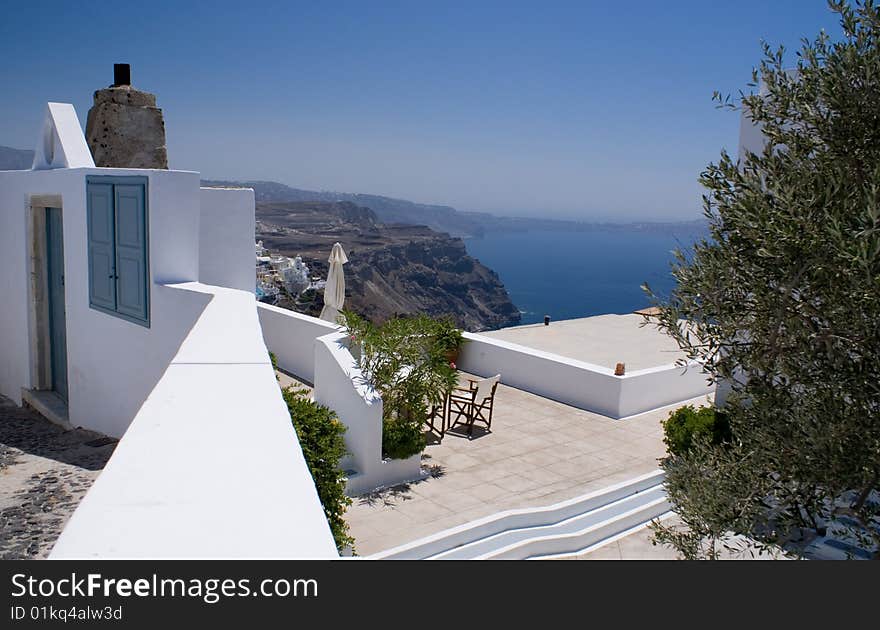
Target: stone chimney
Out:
[125,129]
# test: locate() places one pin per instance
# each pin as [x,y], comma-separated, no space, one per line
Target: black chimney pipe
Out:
[121,74]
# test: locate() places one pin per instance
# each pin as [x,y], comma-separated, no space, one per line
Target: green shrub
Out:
[404,361]
[401,438]
[685,423]
[320,437]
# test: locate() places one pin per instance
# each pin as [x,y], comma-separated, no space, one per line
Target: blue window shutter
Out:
[102,271]
[131,252]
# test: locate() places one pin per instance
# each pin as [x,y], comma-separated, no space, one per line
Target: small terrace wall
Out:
[580,384]
[316,351]
[340,385]
[291,336]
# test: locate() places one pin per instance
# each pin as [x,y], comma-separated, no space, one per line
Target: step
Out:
[569,555]
[591,535]
[49,405]
[574,524]
[493,525]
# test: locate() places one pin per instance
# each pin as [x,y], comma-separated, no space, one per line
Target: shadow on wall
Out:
[115,395]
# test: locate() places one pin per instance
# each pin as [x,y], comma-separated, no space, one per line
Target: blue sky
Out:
[593,110]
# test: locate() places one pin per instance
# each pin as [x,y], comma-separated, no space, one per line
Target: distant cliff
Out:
[447,219]
[393,269]
[387,209]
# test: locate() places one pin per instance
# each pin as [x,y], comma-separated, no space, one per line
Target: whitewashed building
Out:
[128,308]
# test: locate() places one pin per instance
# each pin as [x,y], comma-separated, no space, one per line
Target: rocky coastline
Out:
[393,269]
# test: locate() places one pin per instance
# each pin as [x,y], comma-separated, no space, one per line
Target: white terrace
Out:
[129,310]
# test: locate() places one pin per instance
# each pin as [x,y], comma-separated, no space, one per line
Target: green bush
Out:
[685,423]
[320,437]
[401,438]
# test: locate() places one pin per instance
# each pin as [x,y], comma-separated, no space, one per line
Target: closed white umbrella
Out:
[334,291]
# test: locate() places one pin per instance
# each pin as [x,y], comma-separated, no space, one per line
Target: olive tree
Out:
[782,302]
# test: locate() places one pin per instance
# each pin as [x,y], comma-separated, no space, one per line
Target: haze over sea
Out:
[570,274]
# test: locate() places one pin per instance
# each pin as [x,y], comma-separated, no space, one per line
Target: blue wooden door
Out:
[102,233]
[131,252]
[57,323]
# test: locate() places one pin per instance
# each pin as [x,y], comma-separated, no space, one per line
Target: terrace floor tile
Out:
[539,452]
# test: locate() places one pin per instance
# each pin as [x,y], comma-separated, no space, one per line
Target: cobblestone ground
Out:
[44,472]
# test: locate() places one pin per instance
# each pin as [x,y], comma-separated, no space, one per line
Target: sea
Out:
[571,274]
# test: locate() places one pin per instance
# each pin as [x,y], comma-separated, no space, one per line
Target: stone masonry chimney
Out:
[125,129]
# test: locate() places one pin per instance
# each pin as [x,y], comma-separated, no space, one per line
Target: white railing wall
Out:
[340,385]
[644,390]
[569,381]
[316,351]
[210,467]
[580,384]
[291,337]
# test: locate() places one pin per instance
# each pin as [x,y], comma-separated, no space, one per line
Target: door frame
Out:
[39,331]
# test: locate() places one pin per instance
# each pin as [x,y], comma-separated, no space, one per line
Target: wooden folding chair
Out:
[473,404]
[438,412]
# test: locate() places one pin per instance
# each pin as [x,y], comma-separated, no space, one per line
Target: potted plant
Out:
[448,338]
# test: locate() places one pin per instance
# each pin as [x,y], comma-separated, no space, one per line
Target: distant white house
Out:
[274,272]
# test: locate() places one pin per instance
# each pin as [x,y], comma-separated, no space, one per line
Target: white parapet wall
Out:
[644,390]
[291,337]
[340,386]
[210,466]
[578,383]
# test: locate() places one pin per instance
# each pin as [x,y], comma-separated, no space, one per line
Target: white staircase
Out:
[555,530]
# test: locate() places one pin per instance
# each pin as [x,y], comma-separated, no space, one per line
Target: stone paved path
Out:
[44,472]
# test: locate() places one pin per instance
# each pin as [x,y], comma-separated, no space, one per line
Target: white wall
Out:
[14,348]
[751,137]
[226,241]
[340,386]
[569,381]
[580,384]
[112,363]
[644,390]
[211,466]
[291,336]
[316,351]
